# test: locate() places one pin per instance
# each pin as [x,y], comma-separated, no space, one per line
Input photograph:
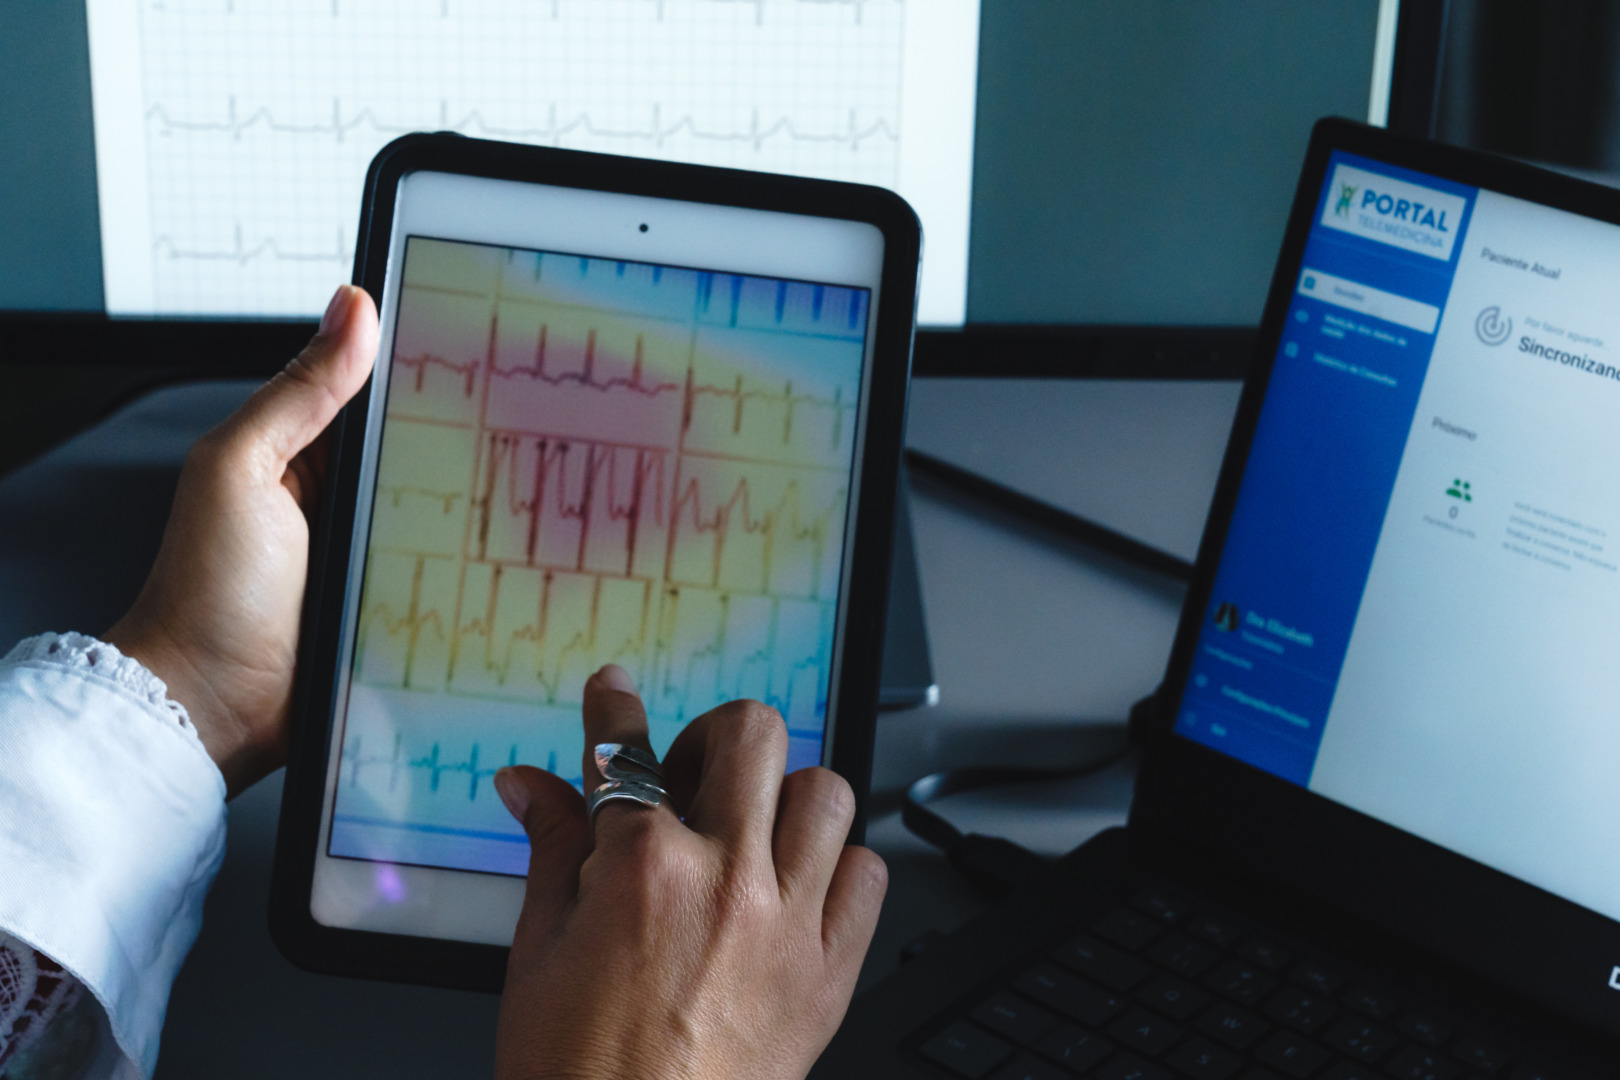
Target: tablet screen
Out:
[583,461]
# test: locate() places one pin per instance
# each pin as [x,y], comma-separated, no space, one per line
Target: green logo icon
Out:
[1459,489]
[1346,193]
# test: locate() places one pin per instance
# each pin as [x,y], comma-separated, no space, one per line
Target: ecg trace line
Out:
[355,759]
[858,6]
[551,455]
[586,642]
[790,401]
[786,515]
[241,254]
[555,130]
[498,658]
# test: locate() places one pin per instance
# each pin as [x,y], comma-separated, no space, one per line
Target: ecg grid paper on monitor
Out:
[232,136]
[586,461]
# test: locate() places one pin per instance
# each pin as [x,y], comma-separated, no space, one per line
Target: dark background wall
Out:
[1539,81]
[50,235]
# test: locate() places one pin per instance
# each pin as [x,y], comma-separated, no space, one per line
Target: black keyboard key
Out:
[1075,1048]
[1417,1063]
[1127,929]
[966,1050]
[1318,979]
[1130,1067]
[1291,1055]
[1487,1059]
[1351,1070]
[1530,1072]
[1072,997]
[1011,1016]
[1368,1003]
[1424,1029]
[1259,1074]
[1184,956]
[1166,905]
[1106,964]
[1360,1039]
[1233,1026]
[1203,1060]
[1299,1010]
[1029,1068]
[1145,1033]
[1173,997]
[1266,953]
[1220,930]
[1242,983]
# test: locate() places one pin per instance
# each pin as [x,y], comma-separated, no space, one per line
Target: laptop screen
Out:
[1417,610]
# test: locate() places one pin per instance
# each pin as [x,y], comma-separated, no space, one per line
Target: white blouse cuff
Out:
[116,826]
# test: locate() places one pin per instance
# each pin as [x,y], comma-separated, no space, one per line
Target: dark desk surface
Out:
[1038,649]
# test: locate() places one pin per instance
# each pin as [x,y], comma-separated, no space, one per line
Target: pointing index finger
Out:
[613,714]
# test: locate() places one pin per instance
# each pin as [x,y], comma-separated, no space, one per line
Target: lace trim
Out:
[90,654]
[34,991]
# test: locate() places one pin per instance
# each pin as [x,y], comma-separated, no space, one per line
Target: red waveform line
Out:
[412,622]
[788,511]
[397,492]
[586,376]
[785,397]
[601,479]
[468,371]
[499,660]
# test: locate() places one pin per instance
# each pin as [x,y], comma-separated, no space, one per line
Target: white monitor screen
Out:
[232,136]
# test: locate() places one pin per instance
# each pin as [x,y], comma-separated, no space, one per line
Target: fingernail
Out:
[513,792]
[615,677]
[337,311]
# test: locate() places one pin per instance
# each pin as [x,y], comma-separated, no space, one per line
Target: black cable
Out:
[1052,517]
[994,863]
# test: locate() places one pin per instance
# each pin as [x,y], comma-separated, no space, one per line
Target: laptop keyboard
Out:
[1159,990]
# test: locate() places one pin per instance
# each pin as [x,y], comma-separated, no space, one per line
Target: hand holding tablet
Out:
[734,907]
[624,413]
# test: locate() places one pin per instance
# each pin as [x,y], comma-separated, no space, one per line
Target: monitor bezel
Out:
[1524,940]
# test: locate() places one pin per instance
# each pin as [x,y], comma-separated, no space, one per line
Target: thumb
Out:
[290,411]
[553,815]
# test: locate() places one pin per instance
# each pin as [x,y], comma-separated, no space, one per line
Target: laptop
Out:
[1376,829]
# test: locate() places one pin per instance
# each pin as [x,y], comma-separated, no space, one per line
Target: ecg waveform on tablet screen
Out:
[395,765]
[588,462]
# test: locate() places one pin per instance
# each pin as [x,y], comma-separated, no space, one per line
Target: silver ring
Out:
[609,754]
[641,784]
[643,793]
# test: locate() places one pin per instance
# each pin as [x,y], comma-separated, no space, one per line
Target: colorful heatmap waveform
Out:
[588,461]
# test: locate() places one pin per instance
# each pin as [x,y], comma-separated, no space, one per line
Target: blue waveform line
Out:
[433,764]
[399,763]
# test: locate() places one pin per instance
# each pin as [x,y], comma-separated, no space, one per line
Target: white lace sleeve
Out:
[48,1025]
[114,830]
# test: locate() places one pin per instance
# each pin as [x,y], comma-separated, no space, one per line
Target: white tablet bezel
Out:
[480,907]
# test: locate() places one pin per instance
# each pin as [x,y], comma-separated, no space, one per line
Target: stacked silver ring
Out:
[629,773]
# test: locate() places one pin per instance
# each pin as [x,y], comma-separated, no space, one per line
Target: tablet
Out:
[623,412]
